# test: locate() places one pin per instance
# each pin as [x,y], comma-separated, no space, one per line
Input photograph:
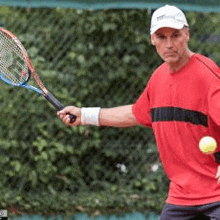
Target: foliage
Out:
[86,58]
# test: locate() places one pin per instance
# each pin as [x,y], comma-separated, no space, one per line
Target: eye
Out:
[176,35]
[161,37]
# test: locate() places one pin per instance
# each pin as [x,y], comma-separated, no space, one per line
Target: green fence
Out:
[86,58]
[82,216]
[189,5]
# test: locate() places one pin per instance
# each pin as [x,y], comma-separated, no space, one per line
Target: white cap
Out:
[168,16]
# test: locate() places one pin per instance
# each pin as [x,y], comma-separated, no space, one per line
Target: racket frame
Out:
[42,91]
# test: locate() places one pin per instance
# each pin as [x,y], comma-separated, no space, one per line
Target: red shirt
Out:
[183,107]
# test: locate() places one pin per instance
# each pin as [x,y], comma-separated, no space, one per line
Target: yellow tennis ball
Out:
[207,145]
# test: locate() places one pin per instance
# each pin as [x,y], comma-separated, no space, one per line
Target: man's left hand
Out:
[218,174]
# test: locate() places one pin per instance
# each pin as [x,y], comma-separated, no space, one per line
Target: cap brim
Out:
[174,26]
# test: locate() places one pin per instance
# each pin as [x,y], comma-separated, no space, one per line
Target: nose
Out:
[169,43]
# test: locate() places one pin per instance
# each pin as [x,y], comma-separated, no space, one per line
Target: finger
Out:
[67,110]
[218,174]
[66,113]
[61,115]
[63,112]
[66,120]
[218,179]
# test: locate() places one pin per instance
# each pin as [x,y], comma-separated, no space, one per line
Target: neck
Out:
[174,67]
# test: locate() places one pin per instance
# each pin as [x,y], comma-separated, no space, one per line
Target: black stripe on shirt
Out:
[178,114]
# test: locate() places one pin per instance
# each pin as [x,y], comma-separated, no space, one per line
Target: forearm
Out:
[117,117]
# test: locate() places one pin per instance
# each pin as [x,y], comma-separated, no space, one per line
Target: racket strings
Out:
[12,63]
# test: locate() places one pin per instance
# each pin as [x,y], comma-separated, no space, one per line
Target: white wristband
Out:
[90,116]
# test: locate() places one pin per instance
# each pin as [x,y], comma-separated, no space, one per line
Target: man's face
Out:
[171,44]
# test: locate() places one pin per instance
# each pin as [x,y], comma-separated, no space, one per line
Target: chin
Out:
[171,60]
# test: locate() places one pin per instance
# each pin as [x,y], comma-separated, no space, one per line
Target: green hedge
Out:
[86,58]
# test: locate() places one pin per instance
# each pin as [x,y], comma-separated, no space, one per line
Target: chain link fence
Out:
[86,58]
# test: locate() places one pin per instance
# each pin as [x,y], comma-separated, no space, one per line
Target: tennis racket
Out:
[16,68]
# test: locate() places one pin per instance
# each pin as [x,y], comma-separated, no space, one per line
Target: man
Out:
[181,102]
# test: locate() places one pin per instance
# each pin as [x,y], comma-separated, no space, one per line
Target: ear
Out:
[153,41]
[187,34]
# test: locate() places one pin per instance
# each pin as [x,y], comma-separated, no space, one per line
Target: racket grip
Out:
[50,97]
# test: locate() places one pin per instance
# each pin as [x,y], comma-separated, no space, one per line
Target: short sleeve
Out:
[141,109]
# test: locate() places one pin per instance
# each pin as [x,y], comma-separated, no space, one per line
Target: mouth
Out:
[170,54]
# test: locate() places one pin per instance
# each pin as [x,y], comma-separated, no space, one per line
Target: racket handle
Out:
[49,96]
